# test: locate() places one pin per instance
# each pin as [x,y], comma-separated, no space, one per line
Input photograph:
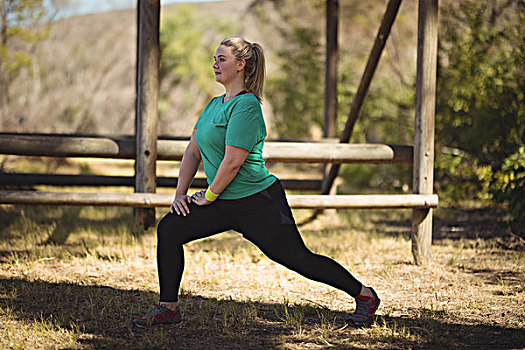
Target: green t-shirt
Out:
[238,122]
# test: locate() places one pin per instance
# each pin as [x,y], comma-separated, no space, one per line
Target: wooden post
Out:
[147,85]
[364,84]
[330,90]
[424,126]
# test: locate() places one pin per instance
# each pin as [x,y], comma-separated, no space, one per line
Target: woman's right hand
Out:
[180,204]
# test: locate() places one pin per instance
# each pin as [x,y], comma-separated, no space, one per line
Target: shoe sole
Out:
[141,326]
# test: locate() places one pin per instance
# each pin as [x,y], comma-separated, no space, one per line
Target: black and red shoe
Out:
[365,309]
[160,314]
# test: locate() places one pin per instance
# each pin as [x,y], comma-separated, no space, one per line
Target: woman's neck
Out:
[233,90]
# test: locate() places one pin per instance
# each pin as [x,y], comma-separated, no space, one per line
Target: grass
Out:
[74,277]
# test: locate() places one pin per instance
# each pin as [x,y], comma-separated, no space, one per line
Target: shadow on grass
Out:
[101,316]
[57,223]
[454,224]
[472,223]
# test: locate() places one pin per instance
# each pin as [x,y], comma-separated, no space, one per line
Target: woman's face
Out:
[226,66]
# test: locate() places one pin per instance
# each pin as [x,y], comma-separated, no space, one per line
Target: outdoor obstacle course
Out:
[147,148]
[75,269]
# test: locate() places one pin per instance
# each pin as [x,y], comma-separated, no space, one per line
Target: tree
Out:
[480,101]
[188,42]
[296,91]
[19,34]
[295,88]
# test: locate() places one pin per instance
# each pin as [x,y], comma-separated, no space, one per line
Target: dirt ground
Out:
[83,292]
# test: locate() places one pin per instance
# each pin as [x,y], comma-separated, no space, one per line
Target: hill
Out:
[83,77]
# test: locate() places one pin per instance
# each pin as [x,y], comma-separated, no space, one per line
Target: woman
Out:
[242,195]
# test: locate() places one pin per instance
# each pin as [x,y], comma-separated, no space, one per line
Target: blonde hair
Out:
[254,70]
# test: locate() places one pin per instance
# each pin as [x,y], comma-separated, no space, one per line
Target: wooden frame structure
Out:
[147,148]
[125,148]
[152,200]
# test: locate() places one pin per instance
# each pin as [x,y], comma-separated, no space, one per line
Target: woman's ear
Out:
[240,65]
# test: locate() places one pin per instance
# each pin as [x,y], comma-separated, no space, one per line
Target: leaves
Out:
[188,42]
[21,31]
[480,83]
[296,92]
[481,79]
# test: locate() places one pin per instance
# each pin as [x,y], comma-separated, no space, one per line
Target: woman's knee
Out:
[174,229]
[166,228]
[302,261]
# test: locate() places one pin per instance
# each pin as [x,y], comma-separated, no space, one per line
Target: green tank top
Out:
[238,122]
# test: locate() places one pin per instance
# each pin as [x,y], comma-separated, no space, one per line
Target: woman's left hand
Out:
[199,198]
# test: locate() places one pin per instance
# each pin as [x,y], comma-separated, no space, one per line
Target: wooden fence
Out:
[121,147]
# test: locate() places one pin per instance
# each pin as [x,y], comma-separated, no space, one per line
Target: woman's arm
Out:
[234,157]
[188,169]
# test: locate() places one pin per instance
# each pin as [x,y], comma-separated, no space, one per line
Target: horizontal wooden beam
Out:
[293,152]
[100,180]
[150,200]
[124,148]
[366,201]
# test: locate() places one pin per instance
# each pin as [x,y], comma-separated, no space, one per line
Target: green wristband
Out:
[210,196]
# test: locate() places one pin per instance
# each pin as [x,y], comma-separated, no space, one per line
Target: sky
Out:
[82,7]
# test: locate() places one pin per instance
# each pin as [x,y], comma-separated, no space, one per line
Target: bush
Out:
[480,109]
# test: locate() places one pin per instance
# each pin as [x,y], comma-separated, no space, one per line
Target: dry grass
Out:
[83,291]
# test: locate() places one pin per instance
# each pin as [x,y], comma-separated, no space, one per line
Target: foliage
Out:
[295,89]
[387,116]
[296,92]
[480,109]
[381,178]
[18,37]
[509,185]
[188,42]
[388,112]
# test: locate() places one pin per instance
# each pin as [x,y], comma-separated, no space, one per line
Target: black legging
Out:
[265,219]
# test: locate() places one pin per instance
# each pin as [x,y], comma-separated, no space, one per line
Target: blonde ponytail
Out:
[255,69]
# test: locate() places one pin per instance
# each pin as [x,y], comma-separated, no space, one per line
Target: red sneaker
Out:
[365,308]
[160,314]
